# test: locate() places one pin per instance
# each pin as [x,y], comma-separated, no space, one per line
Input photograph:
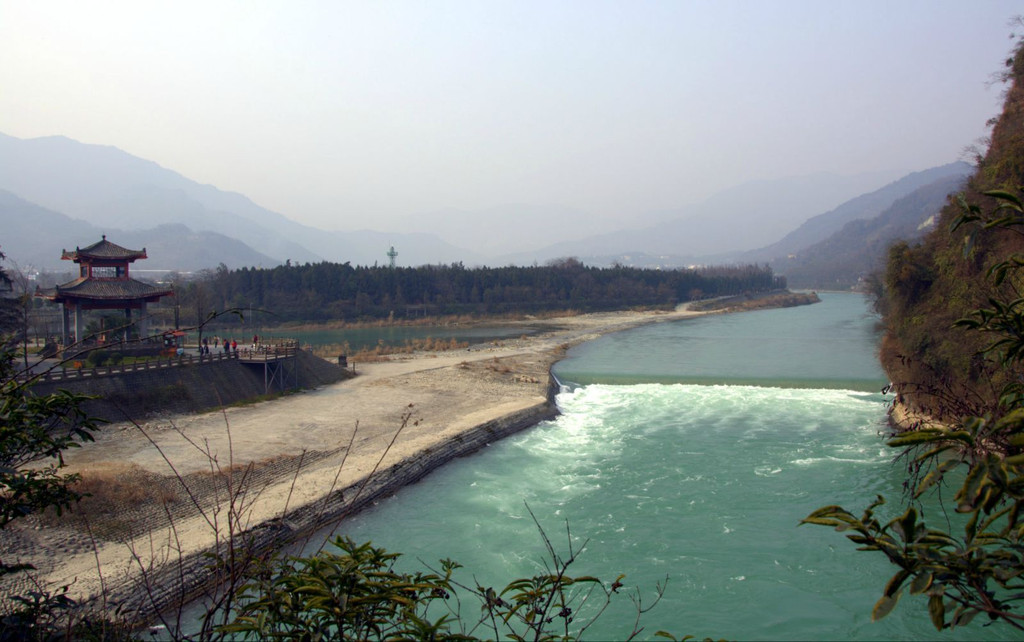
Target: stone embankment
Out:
[903,418]
[190,577]
[186,385]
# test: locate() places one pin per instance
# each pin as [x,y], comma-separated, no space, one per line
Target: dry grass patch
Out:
[118,487]
[495,365]
[117,500]
[382,351]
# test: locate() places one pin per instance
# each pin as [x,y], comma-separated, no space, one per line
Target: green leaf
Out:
[884,606]
[908,524]
[969,240]
[1014,418]
[834,516]
[921,583]
[895,584]
[937,612]
[938,538]
[936,475]
[666,634]
[1009,199]
[964,617]
[967,497]
[916,437]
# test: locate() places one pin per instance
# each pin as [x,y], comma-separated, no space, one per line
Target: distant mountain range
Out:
[34,236]
[56,193]
[866,206]
[833,250]
[116,192]
[741,218]
[839,261]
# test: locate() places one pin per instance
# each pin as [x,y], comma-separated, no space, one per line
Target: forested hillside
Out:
[333,291]
[927,287]
[859,247]
[954,345]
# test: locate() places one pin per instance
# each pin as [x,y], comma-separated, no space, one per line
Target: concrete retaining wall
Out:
[189,579]
[188,388]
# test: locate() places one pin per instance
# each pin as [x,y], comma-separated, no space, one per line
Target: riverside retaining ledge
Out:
[189,579]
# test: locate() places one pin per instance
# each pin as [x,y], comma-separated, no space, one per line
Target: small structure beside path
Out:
[278,364]
[103,283]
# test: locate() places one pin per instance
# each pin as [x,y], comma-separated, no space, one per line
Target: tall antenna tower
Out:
[392,255]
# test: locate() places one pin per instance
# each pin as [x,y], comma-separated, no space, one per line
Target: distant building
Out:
[103,283]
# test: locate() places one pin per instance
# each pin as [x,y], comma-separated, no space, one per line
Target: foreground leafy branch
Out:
[979,570]
[356,593]
[35,431]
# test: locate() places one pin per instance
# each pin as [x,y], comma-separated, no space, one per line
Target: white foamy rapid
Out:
[702,484]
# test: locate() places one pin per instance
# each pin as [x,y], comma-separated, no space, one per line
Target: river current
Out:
[689,451]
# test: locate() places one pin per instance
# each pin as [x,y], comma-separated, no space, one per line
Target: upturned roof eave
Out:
[103,250]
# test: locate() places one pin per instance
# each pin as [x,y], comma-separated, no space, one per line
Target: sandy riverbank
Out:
[286,462]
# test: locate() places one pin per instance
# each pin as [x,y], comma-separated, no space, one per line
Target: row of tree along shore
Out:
[333,291]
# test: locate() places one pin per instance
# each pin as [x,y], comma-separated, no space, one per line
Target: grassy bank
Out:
[757,301]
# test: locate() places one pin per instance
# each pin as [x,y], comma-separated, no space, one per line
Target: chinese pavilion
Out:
[103,284]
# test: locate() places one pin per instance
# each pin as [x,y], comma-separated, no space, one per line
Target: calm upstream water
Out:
[690,452]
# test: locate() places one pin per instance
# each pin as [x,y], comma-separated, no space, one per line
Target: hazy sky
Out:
[346,115]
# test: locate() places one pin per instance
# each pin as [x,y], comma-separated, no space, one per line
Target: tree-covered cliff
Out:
[928,287]
[954,314]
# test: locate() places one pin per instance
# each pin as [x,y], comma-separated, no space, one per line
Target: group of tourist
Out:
[226,346]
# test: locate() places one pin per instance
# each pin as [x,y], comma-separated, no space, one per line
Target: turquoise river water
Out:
[689,451]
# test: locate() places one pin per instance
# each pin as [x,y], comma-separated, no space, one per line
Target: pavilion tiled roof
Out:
[102,289]
[103,249]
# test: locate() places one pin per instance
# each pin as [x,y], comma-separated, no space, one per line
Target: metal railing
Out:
[263,353]
[270,352]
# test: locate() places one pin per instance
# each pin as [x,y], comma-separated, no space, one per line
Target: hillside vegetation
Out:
[840,261]
[927,287]
[954,344]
